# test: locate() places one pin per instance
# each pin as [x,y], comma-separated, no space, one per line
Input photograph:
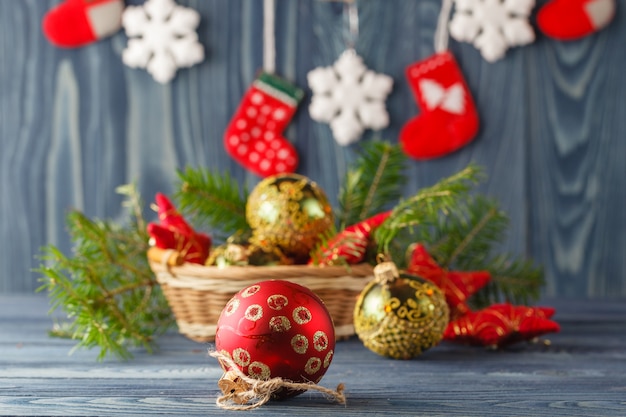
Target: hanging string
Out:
[269,37]
[350,8]
[441,33]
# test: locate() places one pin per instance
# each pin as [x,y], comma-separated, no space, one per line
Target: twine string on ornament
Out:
[240,392]
[269,36]
[441,32]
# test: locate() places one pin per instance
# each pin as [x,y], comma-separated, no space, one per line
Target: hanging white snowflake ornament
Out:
[163,38]
[350,97]
[493,25]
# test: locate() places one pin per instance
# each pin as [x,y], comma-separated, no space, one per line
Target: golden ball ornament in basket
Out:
[289,213]
[198,293]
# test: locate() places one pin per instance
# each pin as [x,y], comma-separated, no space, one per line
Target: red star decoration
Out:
[501,324]
[457,286]
[350,244]
[175,233]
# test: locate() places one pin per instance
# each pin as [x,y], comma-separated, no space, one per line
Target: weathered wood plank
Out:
[74,124]
[574,188]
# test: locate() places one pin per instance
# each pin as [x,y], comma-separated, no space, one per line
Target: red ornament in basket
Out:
[176,234]
[350,245]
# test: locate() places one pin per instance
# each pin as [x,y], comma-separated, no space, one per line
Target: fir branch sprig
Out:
[427,206]
[213,200]
[106,287]
[516,280]
[373,182]
[468,238]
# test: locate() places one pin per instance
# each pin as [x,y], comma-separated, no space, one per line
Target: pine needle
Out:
[373,183]
[518,281]
[214,201]
[426,207]
[106,287]
[467,238]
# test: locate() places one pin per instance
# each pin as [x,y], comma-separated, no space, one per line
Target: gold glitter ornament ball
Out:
[289,213]
[400,315]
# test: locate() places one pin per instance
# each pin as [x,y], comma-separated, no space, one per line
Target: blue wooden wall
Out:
[74,124]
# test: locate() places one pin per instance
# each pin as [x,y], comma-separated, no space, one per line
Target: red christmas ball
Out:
[280,329]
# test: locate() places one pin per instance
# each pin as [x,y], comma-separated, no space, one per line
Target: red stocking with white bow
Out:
[448,119]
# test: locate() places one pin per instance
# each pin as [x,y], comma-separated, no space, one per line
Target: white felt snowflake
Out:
[163,38]
[493,25]
[349,97]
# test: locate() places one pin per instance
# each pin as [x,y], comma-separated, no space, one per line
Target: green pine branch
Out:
[373,183]
[106,287]
[427,206]
[516,280]
[467,235]
[469,240]
[213,200]
[466,238]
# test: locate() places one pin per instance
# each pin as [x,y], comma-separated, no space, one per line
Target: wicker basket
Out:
[197,294]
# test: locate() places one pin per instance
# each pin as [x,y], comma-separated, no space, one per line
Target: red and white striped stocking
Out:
[76,23]
[574,19]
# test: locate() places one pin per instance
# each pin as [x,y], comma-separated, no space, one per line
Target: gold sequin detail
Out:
[241,357]
[231,307]
[299,343]
[328,358]
[259,370]
[302,315]
[279,324]
[320,341]
[277,302]
[254,312]
[313,365]
[250,291]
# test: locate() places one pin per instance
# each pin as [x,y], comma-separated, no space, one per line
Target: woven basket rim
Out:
[275,271]
[189,288]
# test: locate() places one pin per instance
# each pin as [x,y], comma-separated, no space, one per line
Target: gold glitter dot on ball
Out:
[289,213]
[400,315]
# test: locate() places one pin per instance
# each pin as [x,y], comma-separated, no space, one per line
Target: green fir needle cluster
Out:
[373,184]
[106,288]
[213,199]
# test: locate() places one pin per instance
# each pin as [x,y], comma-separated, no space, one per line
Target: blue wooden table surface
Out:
[581,372]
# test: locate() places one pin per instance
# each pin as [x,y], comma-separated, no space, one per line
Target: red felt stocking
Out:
[254,136]
[75,23]
[573,19]
[448,118]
